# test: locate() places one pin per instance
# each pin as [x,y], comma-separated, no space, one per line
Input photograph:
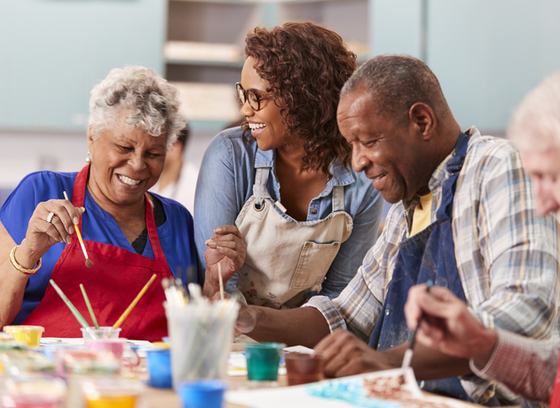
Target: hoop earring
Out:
[88,158]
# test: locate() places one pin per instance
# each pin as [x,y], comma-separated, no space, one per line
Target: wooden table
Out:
[167,398]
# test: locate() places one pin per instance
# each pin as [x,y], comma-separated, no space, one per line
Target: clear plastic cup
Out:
[33,392]
[120,348]
[112,392]
[30,401]
[30,335]
[202,335]
[85,361]
[103,333]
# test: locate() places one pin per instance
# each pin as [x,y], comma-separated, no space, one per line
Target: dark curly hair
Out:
[306,66]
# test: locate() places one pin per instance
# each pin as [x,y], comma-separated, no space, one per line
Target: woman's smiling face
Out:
[126,162]
[267,125]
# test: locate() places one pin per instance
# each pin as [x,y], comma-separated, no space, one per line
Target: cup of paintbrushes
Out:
[102,333]
[202,334]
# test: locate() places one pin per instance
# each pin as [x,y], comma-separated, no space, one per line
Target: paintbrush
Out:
[134,302]
[89,263]
[72,308]
[408,353]
[221,281]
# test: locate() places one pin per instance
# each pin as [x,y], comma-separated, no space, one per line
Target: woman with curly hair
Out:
[283,177]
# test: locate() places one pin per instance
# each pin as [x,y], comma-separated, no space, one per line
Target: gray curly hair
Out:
[535,125]
[152,101]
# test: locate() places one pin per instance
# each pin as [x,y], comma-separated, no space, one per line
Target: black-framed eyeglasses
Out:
[250,95]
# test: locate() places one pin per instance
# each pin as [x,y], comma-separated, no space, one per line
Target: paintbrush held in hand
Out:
[89,263]
[408,353]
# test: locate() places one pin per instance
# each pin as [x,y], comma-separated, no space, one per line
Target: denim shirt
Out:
[225,183]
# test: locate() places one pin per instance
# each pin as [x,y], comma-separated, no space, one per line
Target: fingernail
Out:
[83,209]
[68,240]
[75,220]
[217,230]
[71,230]
[209,242]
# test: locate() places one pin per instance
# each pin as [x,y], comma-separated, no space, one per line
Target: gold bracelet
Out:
[15,264]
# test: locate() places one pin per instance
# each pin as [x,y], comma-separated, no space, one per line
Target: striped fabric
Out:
[507,256]
[524,365]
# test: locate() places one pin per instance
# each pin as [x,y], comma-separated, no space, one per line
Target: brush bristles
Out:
[89,264]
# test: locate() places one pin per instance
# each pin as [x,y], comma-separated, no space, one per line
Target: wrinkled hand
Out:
[348,355]
[227,248]
[41,235]
[448,326]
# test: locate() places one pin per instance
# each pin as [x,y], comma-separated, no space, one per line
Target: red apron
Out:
[114,280]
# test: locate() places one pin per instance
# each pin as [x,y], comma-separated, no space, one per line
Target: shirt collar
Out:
[341,176]
[265,158]
[440,173]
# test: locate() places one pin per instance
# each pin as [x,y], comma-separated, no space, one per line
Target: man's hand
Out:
[448,326]
[348,355]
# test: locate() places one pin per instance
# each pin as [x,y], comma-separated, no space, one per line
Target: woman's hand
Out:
[45,230]
[226,248]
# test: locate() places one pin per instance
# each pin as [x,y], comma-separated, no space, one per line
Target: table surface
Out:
[158,398]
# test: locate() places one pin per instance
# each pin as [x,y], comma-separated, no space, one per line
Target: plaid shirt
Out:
[524,365]
[507,256]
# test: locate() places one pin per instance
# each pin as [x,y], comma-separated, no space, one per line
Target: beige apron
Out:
[286,259]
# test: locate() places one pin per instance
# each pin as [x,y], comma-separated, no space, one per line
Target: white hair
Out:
[149,101]
[535,125]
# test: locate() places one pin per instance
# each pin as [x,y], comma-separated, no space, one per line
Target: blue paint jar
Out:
[159,367]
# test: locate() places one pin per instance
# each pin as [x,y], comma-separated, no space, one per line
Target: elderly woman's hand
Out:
[52,222]
[227,248]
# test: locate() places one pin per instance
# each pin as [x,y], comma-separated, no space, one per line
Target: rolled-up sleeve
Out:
[526,366]
[358,306]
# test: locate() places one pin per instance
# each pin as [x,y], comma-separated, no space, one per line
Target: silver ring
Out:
[50,217]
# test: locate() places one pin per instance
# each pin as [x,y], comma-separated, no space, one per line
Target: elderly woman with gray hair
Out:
[129,234]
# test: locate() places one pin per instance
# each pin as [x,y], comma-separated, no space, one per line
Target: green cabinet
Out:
[486,53]
[52,52]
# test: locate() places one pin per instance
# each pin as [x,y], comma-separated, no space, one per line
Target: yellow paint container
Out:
[30,335]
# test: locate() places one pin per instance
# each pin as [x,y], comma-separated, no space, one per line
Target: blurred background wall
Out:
[486,53]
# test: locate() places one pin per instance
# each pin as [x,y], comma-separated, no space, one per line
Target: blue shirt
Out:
[175,234]
[225,183]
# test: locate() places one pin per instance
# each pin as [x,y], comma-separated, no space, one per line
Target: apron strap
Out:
[338,198]
[79,189]
[261,179]
[454,167]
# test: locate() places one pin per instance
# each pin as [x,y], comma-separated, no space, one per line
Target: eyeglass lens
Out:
[254,99]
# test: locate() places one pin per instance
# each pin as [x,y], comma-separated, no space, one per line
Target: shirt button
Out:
[314,211]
